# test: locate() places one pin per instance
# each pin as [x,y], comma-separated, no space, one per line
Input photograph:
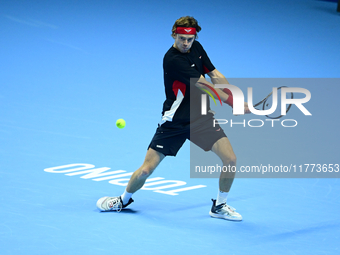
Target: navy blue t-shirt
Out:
[179,68]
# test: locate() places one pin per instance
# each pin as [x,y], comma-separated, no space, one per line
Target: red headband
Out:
[186,30]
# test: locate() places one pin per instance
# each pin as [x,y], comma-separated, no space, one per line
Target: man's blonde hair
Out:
[186,21]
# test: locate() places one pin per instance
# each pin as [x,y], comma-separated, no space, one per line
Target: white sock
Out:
[221,197]
[126,197]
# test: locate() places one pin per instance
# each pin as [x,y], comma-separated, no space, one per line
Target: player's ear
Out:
[174,35]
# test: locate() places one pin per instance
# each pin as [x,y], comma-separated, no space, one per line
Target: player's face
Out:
[184,42]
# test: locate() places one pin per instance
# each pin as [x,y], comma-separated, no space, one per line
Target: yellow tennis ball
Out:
[120,123]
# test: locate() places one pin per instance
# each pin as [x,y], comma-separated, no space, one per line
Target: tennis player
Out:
[186,60]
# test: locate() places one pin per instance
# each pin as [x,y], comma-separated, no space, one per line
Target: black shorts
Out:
[168,141]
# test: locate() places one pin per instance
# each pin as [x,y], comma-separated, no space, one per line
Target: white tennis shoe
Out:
[112,204]
[224,211]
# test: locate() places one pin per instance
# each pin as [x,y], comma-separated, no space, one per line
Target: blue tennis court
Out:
[70,69]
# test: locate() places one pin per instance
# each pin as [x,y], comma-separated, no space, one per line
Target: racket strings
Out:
[265,104]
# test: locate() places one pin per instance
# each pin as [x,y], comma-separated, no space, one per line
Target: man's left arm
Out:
[218,78]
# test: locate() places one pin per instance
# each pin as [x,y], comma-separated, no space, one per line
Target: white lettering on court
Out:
[89,171]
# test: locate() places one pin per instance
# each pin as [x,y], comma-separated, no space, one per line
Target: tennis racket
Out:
[267,103]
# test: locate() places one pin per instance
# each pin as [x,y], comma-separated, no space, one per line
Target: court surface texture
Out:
[70,69]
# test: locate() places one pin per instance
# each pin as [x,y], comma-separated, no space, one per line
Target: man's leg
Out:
[137,180]
[223,149]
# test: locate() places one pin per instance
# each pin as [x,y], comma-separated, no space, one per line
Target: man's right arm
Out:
[218,78]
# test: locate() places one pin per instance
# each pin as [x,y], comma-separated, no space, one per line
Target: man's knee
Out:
[152,159]
[229,159]
[225,151]
[145,171]
[233,158]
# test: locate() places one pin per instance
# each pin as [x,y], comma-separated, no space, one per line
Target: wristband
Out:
[227,91]
[230,100]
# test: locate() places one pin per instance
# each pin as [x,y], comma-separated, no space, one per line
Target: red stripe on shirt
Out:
[177,85]
[206,70]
